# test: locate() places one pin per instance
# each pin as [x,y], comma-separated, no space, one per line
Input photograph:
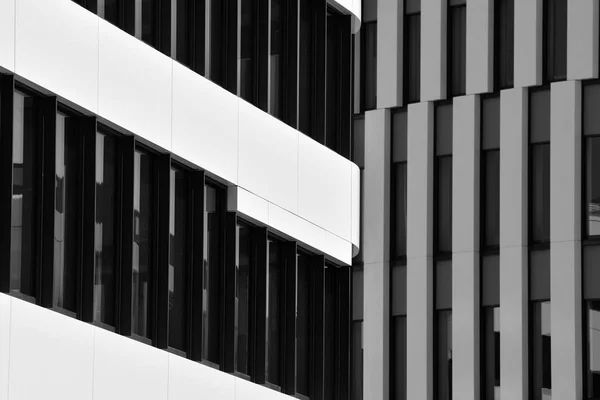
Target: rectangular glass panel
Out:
[593,343]
[505,23]
[334,31]
[444,204]
[593,186]
[247,50]
[109,10]
[106,229]
[147,21]
[67,202]
[400,210]
[302,325]
[178,259]
[491,355]
[457,54]
[399,360]
[273,337]
[541,388]
[413,57]
[491,198]
[211,275]
[143,244]
[183,31]
[444,355]
[24,212]
[306,69]
[331,331]
[370,65]
[556,39]
[276,78]
[356,381]
[540,192]
[242,297]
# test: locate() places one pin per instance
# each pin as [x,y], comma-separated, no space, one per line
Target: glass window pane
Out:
[491,355]
[413,59]
[276,54]
[399,360]
[143,244]
[242,297]
[369,30]
[178,259]
[105,242]
[333,100]
[556,39]
[541,388]
[444,204]
[302,325]
[444,355]
[356,379]
[183,31]
[146,16]
[331,338]
[505,22]
[211,275]
[274,297]
[593,186]
[593,343]
[491,198]
[247,53]
[67,204]
[24,213]
[400,210]
[540,192]
[109,10]
[457,52]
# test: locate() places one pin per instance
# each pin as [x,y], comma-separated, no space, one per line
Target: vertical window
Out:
[302,325]
[399,185]
[178,259]
[211,273]
[356,380]
[110,10]
[491,353]
[412,58]
[247,77]
[555,40]
[504,27]
[25,191]
[490,173]
[276,58]
[444,355]
[369,76]
[331,338]
[539,166]
[592,195]
[541,362]
[67,213]
[443,178]
[333,80]
[457,48]
[106,235]
[274,313]
[242,299]
[306,69]
[144,229]
[398,388]
[593,349]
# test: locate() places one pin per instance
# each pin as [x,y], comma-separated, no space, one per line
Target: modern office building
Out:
[479,271]
[178,208]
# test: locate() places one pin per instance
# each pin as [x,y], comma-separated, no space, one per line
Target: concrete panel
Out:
[324,187]
[480,46]
[465,174]
[355,209]
[420,180]
[4,344]
[419,329]
[57,48]
[245,390]
[528,43]
[189,380]
[582,39]
[513,167]
[465,326]
[565,161]
[7,35]
[390,25]
[433,49]
[268,157]
[338,248]
[376,324]
[514,300]
[251,205]
[205,123]
[127,369]
[135,85]
[565,268]
[51,355]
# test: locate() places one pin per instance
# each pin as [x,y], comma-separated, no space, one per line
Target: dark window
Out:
[443,366]
[303,325]
[25,212]
[540,192]
[555,40]
[541,356]
[444,204]
[67,213]
[457,50]
[491,353]
[331,337]
[217,42]
[178,259]
[274,313]
[399,173]
[490,162]
[144,255]
[592,199]
[505,43]
[211,273]
[243,274]
[110,10]
[356,380]
[276,58]
[188,42]
[307,75]
[369,65]
[247,51]
[106,237]
[593,348]
[398,386]
[412,59]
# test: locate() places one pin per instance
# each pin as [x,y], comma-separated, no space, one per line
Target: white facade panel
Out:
[50,354]
[528,43]
[480,46]
[582,39]
[205,123]
[355,209]
[135,85]
[268,157]
[338,248]
[433,49]
[189,380]
[251,205]
[245,390]
[390,23]
[7,35]
[57,48]
[296,227]
[127,369]
[5,308]
[325,202]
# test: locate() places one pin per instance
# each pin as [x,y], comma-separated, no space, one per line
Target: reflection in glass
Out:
[541,388]
[211,277]
[400,210]
[24,196]
[491,356]
[444,355]
[178,225]
[242,299]
[593,343]
[67,201]
[540,192]
[274,297]
[491,198]
[593,186]
[444,204]
[105,242]
[302,324]
[143,246]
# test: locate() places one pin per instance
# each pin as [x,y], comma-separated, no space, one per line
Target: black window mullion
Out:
[162,237]
[195,287]
[290,265]
[7,87]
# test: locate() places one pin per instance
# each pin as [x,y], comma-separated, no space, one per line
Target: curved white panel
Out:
[7,37]
[352,7]
[57,48]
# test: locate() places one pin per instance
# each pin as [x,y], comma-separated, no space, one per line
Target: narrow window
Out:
[307,75]
[303,315]
[555,40]
[247,56]
[276,58]
[369,76]
[106,235]
[593,349]
[178,259]
[25,211]
[443,179]
[144,230]
[491,353]
[505,43]
[333,98]
[211,274]
[457,45]
[399,173]
[592,206]
[110,10]
[444,355]
[490,173]
[356,380]
[242,294]
[412,59]
[398,388]
[540,192]
[331,333]
[541,362]
[67,213]
[274,313]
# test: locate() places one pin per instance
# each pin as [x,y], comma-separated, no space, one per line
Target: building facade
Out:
[178,208]
[476,126]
